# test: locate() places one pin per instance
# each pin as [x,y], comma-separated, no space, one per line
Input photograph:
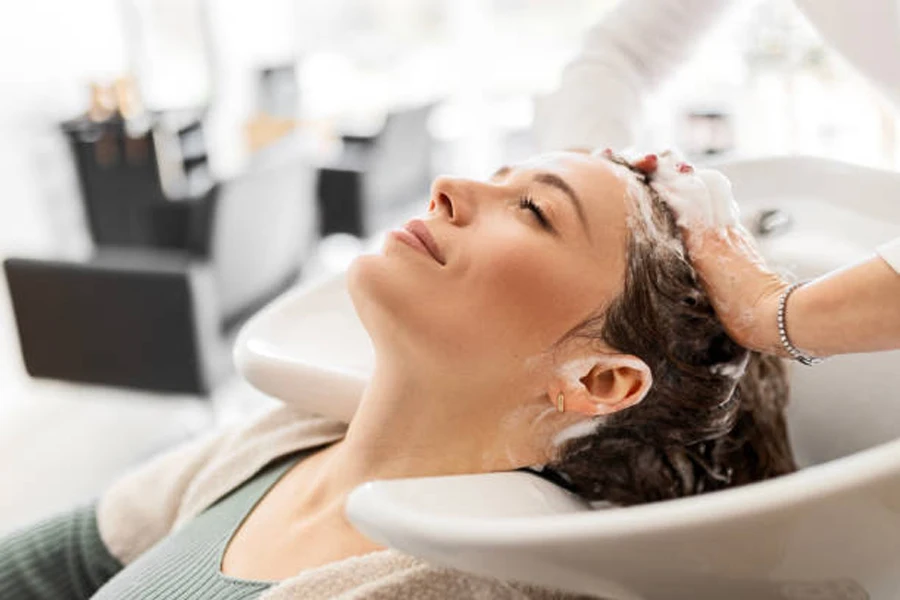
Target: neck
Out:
[409,426]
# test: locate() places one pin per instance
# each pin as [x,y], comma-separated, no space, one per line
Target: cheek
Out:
[526,293]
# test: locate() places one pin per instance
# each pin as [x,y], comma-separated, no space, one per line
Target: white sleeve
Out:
[890,252]
[599,99]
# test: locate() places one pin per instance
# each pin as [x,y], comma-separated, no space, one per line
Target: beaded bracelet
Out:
[792,350]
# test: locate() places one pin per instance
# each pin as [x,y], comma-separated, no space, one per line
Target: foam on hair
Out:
[698,197]
[713,417]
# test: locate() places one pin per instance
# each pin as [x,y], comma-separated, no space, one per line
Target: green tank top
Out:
[187,563]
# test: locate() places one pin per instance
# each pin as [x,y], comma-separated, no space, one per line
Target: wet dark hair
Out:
[714,416]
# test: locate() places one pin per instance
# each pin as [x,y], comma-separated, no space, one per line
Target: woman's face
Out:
[521,259]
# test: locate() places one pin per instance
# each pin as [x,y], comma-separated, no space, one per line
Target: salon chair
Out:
[129,171]
[162,319]
[829,531]
[376,175]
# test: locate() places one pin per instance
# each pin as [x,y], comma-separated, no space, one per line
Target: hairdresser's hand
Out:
[742,289]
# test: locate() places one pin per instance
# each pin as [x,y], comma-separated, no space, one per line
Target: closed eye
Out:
[527,203]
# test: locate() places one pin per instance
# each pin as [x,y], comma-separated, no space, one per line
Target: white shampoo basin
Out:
[829,532]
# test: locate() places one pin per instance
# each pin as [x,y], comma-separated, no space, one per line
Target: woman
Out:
[545,318]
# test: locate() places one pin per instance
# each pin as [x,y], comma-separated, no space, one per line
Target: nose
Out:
[455,198]
[446,196]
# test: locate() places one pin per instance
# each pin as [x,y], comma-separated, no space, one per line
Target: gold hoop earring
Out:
[560,402]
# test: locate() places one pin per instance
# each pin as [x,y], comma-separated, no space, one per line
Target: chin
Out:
[363,283]
[381,296]
[394,306]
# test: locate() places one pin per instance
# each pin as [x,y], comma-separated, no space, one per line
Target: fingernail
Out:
[647,164]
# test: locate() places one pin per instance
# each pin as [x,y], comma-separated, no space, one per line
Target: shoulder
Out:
[146,504]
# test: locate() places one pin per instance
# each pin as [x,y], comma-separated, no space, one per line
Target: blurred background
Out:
[167,167]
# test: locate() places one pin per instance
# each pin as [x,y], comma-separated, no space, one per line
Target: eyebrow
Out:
[557,182]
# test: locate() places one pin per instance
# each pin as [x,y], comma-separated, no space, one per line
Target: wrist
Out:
[795,353]
[768,339]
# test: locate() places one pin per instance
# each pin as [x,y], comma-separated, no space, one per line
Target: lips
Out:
[420,230]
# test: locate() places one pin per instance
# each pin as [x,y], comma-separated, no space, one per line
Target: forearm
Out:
[62,558]
[623,59]
[856,309]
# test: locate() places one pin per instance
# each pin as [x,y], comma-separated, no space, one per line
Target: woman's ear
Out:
[604,384]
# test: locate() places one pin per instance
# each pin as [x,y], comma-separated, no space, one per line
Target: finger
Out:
[722,209]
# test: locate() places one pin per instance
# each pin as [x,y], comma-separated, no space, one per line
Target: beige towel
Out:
[391,575]
[157,498]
